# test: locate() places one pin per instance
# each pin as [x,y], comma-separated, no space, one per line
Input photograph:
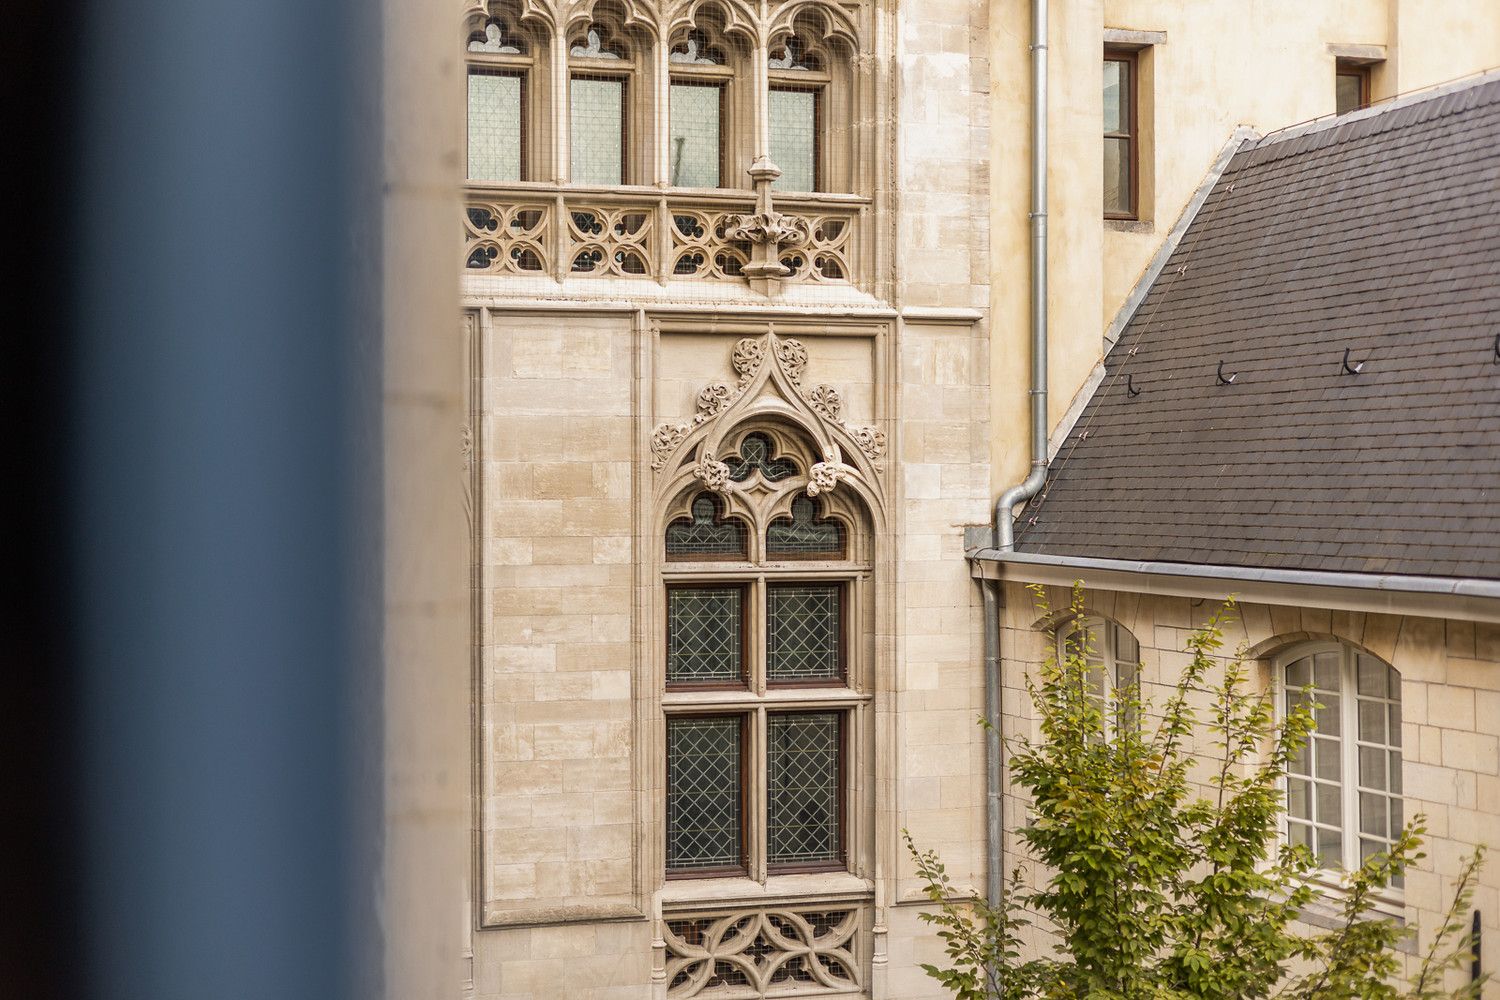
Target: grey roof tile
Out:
[1380,234]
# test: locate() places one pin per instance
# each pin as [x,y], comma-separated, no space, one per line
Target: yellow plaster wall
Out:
[1265,64]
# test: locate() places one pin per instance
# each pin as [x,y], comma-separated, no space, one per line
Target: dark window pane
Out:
[1349,92]
[495,126]
[703,793]
[757,455]
[802,535]
[794,138]
[598,130]
[802,788]
[803,632]
[1299,673]
[1374,677]
[695,127]
[1117,194]
[707,535]
[703,634]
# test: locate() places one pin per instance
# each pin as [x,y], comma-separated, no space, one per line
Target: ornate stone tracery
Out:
[802,951]
[823,406]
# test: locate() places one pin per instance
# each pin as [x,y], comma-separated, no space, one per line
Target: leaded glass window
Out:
[794,125]
[705,795]
[804,632]
[706,534]
[705,634]
[496,101]
[696,141]
[743,625]
[1344,786]
[803,810]
[803,535]
[756,455]
[598,129]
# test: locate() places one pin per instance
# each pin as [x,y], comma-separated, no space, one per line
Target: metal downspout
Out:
[994,829]
[1004,535]
[1032,484]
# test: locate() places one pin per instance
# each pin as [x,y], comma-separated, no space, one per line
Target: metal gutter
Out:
[1396,593]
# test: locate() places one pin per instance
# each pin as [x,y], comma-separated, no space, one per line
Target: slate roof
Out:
[1380,234]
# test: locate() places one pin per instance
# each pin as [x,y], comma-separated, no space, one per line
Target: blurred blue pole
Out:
[224,465]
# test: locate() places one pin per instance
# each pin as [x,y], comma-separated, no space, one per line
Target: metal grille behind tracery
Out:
[704,641]
[802,800]
[803,632]
[707,535]
[704,798]
[803,536]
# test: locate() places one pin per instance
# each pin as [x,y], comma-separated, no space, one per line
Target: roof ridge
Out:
[1383,107]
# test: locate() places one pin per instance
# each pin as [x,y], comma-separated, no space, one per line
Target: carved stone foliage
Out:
[791,952]
[749,356]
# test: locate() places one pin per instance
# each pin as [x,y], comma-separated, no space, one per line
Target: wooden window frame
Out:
[746,598]
[579,68]
[742,869]
[494,64]
[722,77]
[1361,72]
[1132,136]
[815,83]
[842,680]
[841,863]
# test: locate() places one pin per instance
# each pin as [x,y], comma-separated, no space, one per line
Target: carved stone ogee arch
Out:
[769,388]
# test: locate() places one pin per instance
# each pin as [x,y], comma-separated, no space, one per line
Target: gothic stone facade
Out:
[723,439]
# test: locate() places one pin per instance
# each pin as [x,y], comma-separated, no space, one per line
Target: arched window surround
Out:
[1333,809]
[1114,653]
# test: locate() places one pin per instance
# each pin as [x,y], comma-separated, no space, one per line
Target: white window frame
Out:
[1391,899]
[1107,650]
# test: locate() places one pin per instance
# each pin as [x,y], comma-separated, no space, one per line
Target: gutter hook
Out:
[1230,379]
[1359,366]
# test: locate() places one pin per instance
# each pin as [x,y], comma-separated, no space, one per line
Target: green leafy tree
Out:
[1155,891]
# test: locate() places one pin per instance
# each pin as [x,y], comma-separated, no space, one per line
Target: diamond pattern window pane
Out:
[803,632]
[704,821]
[794,138]
[802,793]
[495,126]
[756,454]
[803,536]
[598,129]
[695,125]
[704,640]
[706,535]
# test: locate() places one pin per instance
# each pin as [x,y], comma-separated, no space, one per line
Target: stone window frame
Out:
[1391,900]
[758,503]
[735,109]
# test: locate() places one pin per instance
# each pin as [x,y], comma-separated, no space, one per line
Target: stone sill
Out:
[786,889]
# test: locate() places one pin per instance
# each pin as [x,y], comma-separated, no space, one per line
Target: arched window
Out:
[501,57]
[602,83]
[809,95]
[1344,788]
[1113,656]
[767,667]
